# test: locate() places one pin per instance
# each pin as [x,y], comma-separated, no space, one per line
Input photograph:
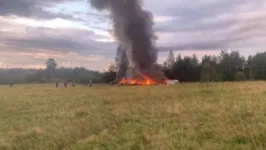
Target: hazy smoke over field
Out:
[133,30]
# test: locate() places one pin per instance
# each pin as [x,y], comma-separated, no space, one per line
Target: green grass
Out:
[216,116]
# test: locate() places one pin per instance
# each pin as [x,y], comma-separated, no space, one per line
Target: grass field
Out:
[217,116]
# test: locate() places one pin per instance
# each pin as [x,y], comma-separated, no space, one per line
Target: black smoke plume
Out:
[133,30]
[121,62]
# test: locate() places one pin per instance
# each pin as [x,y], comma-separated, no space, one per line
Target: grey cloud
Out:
[208,45]
[57,44]
[190,15]
[241,35]
[210,24]
[174,25]
[33,9]
[61,40]
[206,24]
[190,10]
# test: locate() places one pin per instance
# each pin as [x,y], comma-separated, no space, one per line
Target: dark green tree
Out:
[258,66]
[185,69]
[50,67]
[230,64]
[170,60]
[240,76]
[209,68]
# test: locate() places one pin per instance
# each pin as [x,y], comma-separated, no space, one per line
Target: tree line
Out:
[50,74]
[227,66]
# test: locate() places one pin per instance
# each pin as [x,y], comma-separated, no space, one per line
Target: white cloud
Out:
[53,23]
[163,18]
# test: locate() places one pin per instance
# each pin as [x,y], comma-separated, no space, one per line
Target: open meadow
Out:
[217,116]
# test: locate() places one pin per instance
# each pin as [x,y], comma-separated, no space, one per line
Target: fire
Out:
[143,81]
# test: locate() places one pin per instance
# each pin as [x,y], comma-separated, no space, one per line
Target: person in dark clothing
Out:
[11,84]
[57,84]
[65,84]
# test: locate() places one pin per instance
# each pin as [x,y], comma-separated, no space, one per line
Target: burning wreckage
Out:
[136,55]
[130,73]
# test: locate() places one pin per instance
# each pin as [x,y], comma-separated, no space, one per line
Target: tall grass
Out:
[185,116]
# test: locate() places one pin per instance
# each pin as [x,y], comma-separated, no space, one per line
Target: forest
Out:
[227,66]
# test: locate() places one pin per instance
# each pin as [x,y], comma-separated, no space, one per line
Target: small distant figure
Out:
[56,84]
[73,84]
[11,84]
[112,82]
[90,83]
[65,84]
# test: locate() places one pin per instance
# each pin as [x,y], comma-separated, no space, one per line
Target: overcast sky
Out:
[76,35]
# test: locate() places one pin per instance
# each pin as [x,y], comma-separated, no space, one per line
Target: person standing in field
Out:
[11,84]
[56,84]
[65,84]
[90,83]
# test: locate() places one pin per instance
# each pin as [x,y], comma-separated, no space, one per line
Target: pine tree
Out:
[170,60]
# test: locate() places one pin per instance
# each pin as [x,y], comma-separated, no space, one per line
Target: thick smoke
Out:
[133,30]
[121,62]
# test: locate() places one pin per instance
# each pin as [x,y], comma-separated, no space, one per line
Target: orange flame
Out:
[144,81]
